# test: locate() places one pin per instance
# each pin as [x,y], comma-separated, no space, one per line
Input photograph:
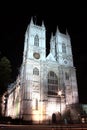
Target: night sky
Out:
[15,17]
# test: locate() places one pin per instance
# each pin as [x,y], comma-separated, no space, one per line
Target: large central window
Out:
[52,83]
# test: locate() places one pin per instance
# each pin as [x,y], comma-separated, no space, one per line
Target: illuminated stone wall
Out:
[42,77]
[14,99]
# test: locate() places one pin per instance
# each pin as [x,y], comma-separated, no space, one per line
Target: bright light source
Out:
[60,93]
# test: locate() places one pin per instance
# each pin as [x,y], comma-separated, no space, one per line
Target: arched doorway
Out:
[53,118]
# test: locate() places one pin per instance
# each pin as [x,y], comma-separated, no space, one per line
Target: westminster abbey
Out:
[46,88]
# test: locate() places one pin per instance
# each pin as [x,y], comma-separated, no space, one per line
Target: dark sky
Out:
[15,17]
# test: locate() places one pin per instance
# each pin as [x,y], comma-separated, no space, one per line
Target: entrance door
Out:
[53,118]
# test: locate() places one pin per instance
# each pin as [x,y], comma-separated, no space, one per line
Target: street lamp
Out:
[59,94]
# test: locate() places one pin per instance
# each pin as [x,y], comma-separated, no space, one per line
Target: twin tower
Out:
[47,85]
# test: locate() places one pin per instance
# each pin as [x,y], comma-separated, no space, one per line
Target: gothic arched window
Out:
[36,104]
[35,71]
[52,83]
[36,40]
[66,76]
[63,48]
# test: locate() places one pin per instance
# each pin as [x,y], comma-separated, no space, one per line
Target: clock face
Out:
[36,55]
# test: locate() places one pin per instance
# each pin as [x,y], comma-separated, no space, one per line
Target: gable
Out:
[50,57]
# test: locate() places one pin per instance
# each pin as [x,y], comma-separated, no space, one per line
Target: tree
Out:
[5,74]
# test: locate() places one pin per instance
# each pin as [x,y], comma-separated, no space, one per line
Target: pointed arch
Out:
[63,48]
[35,71]
[53,118]
[36,40]
[36,104]
[52,83]
[66,75]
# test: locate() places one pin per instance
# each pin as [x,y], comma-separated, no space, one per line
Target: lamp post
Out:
[59,94]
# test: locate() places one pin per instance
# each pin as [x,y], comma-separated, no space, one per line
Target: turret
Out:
[57,30]
[43,24]
[67,34]
[51,37]
[31,22]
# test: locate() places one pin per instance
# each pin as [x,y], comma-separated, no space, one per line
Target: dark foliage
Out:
[5,74]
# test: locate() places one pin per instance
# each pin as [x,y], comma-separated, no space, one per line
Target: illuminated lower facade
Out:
[46,88]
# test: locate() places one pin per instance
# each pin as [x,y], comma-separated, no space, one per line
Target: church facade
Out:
[46,88]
